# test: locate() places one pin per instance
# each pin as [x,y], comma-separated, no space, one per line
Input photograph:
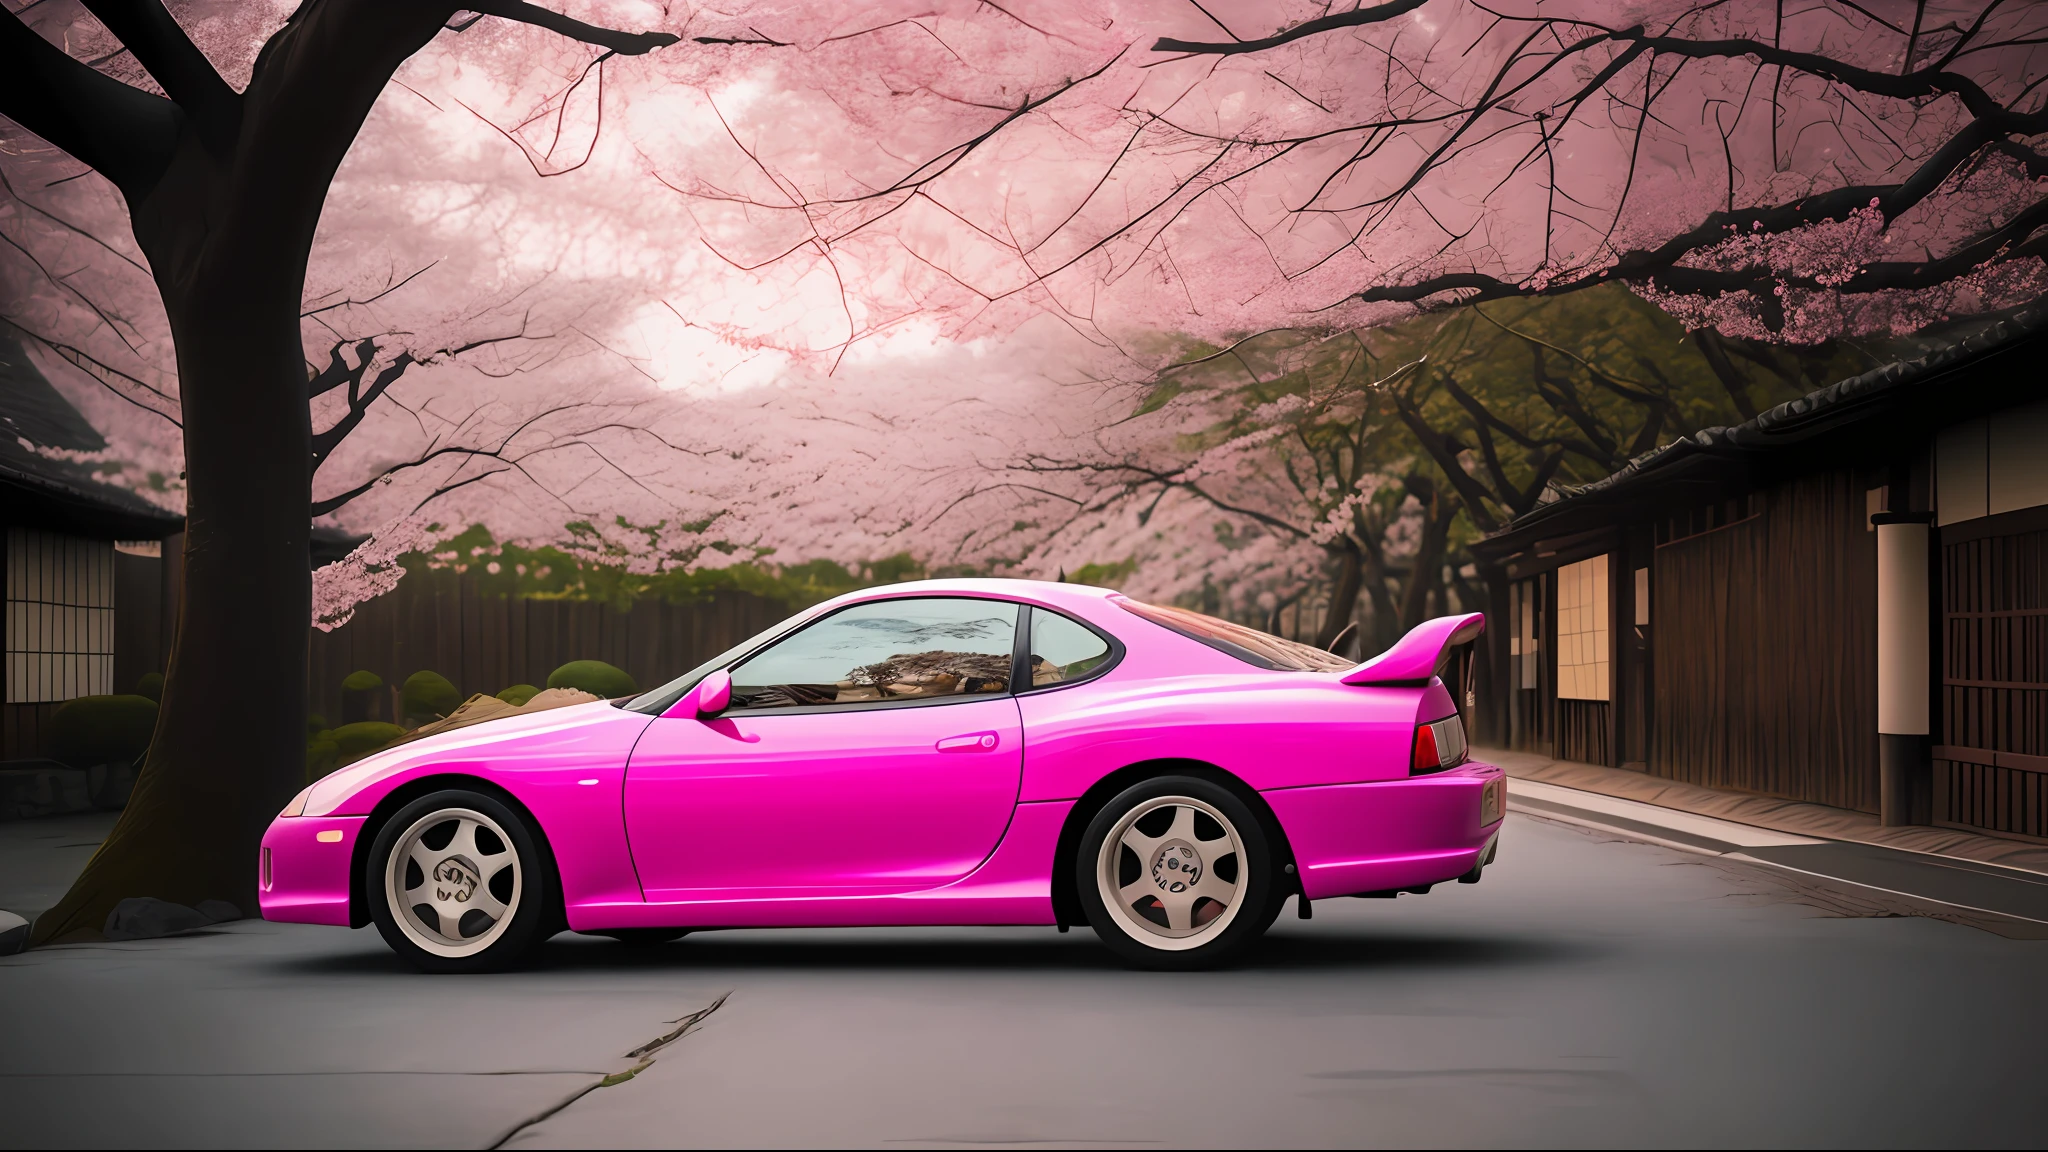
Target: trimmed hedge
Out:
[428,695]
[595,677]
[355,741]
[101,730]
[518,694]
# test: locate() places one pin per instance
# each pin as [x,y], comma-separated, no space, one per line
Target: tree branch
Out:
[124,134]
[623,43]
[1352,19]
[187,76]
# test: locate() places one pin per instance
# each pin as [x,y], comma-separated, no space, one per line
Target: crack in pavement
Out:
[644,1053]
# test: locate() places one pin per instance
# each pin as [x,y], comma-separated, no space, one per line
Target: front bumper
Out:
[1351,839]
[303,875]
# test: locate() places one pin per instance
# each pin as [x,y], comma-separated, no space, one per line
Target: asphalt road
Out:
[1589,992]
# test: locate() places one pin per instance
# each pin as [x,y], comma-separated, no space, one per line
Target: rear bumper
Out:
[1350,839]
[302,878]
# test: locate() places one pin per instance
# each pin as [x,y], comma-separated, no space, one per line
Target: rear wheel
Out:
[456,883]
[1177,873]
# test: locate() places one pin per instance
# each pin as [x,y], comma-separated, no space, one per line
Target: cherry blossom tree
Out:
[224,191]
[1783,174]
[1292,478]
[532,269]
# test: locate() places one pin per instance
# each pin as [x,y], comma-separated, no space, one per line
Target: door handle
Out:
[972,742]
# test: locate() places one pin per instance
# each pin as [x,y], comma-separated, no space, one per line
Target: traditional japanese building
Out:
[88,591]
[1844,600]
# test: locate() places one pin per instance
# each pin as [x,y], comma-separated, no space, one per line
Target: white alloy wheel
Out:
[1172,873]
[453,883]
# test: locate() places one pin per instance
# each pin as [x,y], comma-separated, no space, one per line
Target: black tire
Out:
[643,937]
[501,839]
[1144,934]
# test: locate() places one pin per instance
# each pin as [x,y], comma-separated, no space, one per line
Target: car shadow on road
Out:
[1078,951]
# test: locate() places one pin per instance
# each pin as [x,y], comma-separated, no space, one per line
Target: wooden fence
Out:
[1991,762]
[438,621]
[1766,649]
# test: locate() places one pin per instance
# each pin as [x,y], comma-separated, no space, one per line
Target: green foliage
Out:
[595,677]
[427,695]
[101,729]
[584,568]
[323,755]
[352,742]
[1104,575]
[518,694]
[362,680]
[1448,425]
[151,684]
[315,724]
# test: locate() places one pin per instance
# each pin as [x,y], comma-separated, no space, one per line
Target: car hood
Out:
[511,737]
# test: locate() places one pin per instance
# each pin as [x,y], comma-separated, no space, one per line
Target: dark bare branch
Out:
[123,133]
[623,43]
[1357,17]
[187,76]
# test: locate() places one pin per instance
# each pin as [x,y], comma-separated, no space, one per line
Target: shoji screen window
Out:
[60,617]
[1582,642]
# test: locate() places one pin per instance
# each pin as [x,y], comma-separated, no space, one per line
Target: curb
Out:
[1748,845]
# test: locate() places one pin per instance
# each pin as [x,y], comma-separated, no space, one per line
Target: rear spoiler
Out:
[1413,659]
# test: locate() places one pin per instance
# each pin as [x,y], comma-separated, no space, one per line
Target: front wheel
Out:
[456,883]
[1177,873]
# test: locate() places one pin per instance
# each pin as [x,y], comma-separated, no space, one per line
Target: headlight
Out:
[298,805]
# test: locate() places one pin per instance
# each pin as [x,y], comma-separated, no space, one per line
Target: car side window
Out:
[884,651]
[1062,649]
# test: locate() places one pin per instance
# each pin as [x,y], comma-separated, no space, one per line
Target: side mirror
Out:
[713,693]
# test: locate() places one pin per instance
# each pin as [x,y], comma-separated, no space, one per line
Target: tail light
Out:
[265,878]
[1438,745]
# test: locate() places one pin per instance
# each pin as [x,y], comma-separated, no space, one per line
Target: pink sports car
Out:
[949,752]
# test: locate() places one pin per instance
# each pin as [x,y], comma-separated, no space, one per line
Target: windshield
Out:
[663,698]
[1262,649]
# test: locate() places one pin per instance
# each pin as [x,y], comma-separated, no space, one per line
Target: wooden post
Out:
[1902,663]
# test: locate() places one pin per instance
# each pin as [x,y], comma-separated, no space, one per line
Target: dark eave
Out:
[1881,416]
[58,496]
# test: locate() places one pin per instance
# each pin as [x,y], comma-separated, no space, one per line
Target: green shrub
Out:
[315,725]
[323,755]
[518,694]
[428,695]
[352,742]
[362,680]
[151,685]
[101,729]
[593,676]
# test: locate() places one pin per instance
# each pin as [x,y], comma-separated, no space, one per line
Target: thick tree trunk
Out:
[228,229]
[1344,597]
[1425,575]
[1384,616]
[229,748]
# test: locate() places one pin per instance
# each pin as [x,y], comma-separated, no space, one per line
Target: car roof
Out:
[1051,593]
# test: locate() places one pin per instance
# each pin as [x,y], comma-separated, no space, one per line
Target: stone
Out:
[146,917]
[218,911]
[13,933]
[34,788]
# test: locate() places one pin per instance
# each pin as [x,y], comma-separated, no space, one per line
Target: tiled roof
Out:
[1911,397]
[59,494]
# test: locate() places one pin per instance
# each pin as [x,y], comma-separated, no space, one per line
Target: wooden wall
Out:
[1765,649]
[437,621]
[1582,731]
[1991,758]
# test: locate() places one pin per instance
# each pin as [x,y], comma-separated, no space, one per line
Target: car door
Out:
[877,749]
